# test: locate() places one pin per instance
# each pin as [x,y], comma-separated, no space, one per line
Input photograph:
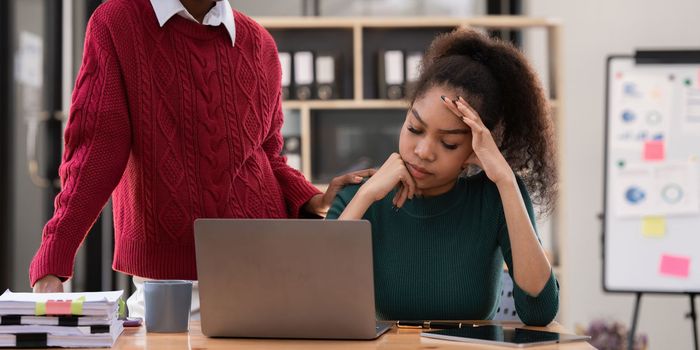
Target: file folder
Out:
[303,74]
[292,150]
[391,74]
[286,65]
[413,66]
[327,75]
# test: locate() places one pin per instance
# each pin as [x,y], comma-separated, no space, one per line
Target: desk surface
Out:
[404,339]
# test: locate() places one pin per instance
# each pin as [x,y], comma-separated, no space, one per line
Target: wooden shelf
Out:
[346,104]
[357,104]
[503,22]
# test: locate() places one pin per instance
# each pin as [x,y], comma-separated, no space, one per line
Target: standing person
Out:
[176,113]
[439,236]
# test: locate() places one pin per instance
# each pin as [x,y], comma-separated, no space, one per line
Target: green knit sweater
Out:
[441,258]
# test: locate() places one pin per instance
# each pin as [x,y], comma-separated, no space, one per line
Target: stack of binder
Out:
[60,319]
[398,73]
[308,75]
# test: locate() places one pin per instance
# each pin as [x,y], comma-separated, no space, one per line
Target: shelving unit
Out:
[358,40]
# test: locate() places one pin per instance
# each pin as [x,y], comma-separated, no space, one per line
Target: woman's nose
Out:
[424,150]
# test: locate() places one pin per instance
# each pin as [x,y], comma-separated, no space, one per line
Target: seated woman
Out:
[453,204]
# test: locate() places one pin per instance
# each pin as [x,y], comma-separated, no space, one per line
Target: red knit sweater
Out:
[176,124]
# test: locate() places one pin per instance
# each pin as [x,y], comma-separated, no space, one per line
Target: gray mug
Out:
[168,306]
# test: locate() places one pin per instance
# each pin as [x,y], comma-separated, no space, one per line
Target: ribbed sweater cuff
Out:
[54,257]
[539,310]
[297,192]
[157,261]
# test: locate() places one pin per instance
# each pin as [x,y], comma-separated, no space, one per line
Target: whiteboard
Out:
[651,221]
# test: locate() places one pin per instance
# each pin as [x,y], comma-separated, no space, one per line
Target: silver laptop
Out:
[286,279]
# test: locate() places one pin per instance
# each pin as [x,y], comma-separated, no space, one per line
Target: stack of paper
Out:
[59,319]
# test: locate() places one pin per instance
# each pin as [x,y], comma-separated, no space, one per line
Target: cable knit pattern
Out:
[175,124]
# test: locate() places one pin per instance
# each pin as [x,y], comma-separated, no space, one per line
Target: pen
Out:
[433,324]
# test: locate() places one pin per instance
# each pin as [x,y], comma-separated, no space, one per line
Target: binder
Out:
[292,150]
[413,65]
[327,74]
[391,74]
[303,75]
[286,65]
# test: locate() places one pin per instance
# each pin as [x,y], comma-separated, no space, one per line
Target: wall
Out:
[592,30]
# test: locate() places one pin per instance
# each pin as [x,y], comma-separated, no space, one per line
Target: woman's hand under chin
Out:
[393,173]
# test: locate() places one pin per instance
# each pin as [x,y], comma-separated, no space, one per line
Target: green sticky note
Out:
[40,308]
[654,226]
[76,307]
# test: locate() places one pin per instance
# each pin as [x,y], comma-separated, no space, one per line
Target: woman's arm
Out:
[530,265]
[357,207]
[97,145]
[531,269]
[536,305]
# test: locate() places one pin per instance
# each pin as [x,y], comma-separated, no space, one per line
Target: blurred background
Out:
[40,53]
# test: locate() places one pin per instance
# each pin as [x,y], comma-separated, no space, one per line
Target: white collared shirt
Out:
[221,13]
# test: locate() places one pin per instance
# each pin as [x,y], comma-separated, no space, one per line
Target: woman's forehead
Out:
[431,111]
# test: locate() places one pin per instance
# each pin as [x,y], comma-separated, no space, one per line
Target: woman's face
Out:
[434,143]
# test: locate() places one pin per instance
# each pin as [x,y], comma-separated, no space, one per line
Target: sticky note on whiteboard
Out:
[654,150]
[654,226]
[675,266]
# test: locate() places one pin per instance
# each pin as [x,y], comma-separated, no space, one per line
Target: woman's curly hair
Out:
[499,83]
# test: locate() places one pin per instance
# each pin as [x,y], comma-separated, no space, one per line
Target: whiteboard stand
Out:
[694,318]
[692,315]
[635,314]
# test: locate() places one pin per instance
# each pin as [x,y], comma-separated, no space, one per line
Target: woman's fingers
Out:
[406,190]
[473,125]
[470,112]
[351,178]
[406,187]
[408,182]
[48,284]
[413,188]
[464,111]
[451,106]
[364,173]
[409,185]
[399,192]
[402,197]
[472,120]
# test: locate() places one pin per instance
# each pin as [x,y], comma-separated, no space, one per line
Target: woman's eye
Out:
[449,146]
[414,130]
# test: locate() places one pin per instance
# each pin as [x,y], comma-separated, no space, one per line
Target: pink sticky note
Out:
[58,307]
[654,150]
[677,266]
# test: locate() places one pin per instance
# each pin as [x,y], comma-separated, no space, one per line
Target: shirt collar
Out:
[221,13]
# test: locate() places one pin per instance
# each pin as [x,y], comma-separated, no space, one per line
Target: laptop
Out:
[286,278]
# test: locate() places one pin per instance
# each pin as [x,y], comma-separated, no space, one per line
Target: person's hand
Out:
[48,284]
[485,153]
[320,204]
[392,174]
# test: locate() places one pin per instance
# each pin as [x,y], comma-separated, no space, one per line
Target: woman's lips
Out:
[418,172]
